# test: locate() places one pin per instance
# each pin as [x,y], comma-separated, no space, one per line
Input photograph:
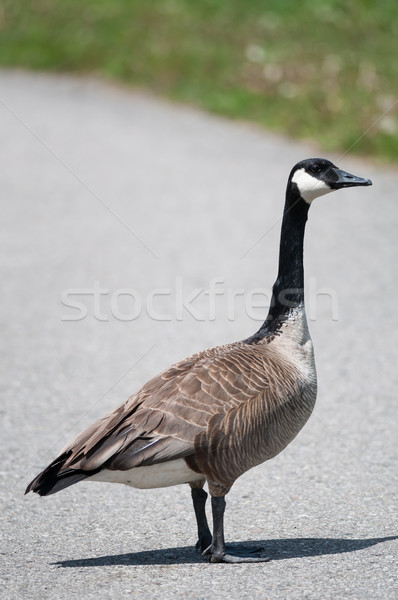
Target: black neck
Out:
[288,289]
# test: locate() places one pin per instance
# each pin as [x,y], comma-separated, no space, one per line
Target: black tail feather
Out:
[53,478]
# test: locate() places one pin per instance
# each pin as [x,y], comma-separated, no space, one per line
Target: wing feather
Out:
[183,404]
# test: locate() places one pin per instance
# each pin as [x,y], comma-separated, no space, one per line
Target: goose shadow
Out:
[279,549]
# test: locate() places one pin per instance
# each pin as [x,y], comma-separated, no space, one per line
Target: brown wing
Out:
[161,421]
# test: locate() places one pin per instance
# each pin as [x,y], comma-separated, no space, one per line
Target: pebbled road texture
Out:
[131,206]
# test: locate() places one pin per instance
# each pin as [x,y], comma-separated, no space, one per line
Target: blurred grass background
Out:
[323,70]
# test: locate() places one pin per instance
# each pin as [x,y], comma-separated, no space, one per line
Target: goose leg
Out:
[199,497]
[217,549]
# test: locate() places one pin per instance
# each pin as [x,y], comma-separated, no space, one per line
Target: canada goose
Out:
[218,413]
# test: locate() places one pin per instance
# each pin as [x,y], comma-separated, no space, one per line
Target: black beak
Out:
[345,179]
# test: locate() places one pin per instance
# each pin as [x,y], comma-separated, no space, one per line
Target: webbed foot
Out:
[242,556]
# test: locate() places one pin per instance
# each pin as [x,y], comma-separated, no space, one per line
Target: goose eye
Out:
[315,168]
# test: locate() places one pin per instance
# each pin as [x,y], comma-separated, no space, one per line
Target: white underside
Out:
[164,474]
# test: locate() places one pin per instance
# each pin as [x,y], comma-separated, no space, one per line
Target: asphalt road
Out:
[130,206]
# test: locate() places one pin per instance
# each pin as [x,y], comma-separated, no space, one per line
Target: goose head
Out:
[315,177]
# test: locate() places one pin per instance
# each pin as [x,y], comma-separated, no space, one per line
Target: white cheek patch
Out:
[310,187]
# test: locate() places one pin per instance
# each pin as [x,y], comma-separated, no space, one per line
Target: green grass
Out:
[324,70]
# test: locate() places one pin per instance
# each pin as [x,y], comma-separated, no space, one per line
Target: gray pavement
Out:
[106,188]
